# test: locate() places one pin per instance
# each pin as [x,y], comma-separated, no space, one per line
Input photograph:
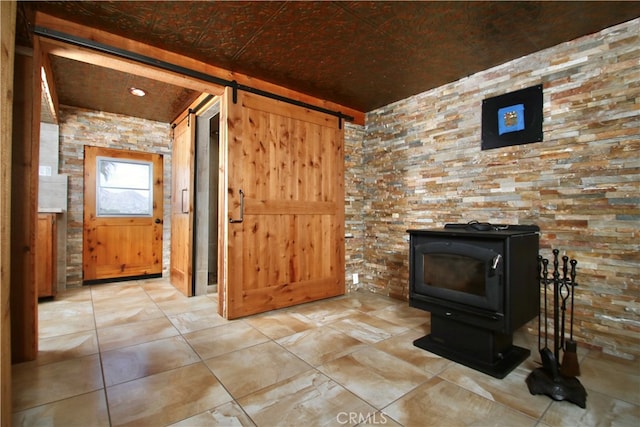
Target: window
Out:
[124,188]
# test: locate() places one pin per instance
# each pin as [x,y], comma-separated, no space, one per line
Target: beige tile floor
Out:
[139,353]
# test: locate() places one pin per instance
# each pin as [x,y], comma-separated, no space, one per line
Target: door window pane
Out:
[124,188]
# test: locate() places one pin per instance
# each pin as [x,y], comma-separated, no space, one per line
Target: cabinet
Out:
[46,255]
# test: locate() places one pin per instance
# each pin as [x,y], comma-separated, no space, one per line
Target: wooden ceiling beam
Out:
[77,30]
[86,55]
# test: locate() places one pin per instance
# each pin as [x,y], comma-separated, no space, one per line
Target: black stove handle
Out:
[494,264]
[480,226]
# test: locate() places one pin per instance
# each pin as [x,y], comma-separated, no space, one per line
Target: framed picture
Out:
[512,119]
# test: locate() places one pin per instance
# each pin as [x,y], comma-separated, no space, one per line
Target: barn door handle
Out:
[241,209]
[185,211]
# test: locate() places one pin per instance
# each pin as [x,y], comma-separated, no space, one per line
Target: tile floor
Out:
[139,353]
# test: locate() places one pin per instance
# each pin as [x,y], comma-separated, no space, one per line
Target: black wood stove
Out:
[480,283]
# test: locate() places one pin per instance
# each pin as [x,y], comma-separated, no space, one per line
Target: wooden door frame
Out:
[202,191]
[8,11]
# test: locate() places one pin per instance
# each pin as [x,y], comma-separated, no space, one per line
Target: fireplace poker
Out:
[570,366]
[556,306]
[549,361]
[564,295]
[540,279]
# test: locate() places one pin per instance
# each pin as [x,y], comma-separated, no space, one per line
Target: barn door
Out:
[283,240]
[182,196]
[122,214]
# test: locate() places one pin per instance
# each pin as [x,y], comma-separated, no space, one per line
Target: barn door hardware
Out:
[185,196]
[147,60]
[234,95]
[241,209]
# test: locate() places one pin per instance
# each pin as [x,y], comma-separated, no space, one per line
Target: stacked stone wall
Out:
[423,168]
[354,204]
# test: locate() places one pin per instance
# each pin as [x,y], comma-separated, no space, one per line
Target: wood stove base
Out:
[484,350]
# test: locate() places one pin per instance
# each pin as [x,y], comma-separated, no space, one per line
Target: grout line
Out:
[104,381]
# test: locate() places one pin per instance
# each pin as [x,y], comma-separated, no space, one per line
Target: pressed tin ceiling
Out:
[360,54]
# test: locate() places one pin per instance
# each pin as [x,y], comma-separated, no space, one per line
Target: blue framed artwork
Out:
[512,119]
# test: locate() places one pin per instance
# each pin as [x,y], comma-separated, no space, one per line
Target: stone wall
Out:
[79,127]
[423,167]
[354,204]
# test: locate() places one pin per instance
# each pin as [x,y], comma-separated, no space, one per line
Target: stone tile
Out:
[118,292]
[251,369]
[228,414]
[380,418]
[72,295]
[196,320]
[219,340]
[325,311]
[320,345]
[88,409]
[165,398]
[184,305]
[280,324]
[403,315]
[309,398]
[511,391]
[141,360]
[612,376]
[66,317]
[366,302]
[35,385]
[452,405]
[366,328]
[125,311]
[401,346]
[601,409]
[64,347]
[374,376]
[160,290]
[132,333]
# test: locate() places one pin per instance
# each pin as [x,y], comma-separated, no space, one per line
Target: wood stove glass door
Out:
[460,273]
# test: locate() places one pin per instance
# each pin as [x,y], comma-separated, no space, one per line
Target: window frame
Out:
[99,187]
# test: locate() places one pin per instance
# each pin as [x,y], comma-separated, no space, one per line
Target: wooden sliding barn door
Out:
[284,231]
[182,199]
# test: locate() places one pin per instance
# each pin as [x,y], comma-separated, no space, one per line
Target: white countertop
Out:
[50,210]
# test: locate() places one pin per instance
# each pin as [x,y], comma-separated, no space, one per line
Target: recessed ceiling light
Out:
[137,91]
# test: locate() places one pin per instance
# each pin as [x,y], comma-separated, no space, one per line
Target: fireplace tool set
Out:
[556,380]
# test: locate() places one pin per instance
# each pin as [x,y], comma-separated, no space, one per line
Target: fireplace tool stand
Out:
[552,380]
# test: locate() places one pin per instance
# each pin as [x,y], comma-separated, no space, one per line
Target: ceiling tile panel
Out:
[361,54]
[88,86]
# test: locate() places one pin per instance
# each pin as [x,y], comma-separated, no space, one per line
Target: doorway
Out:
[123,213]
[207,193]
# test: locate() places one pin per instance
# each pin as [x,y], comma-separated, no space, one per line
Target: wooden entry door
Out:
[283,240]
[122,214]
[182,199]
